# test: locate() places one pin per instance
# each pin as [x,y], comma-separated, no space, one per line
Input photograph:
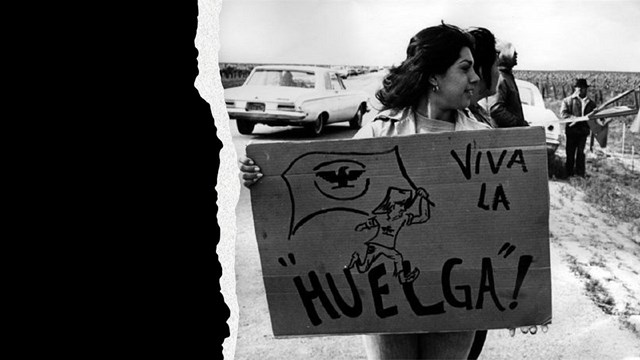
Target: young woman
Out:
[428,92]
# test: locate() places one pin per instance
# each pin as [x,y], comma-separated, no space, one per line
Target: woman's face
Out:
[457,84]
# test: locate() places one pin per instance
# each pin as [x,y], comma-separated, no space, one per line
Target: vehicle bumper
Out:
[270,116]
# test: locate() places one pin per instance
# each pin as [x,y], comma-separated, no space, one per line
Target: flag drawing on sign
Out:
[355,182]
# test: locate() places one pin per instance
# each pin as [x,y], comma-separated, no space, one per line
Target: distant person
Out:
[576,105]
[287,79]
[486,66]
[505,106]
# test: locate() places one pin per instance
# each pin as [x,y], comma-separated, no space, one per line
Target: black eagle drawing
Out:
[340,177]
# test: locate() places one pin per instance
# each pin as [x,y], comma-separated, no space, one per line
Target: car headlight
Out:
[230,104]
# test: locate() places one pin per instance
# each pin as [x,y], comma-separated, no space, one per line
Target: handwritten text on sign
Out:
[423,233]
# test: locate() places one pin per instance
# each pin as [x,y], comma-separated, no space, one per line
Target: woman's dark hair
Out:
[430,52]
[484,53]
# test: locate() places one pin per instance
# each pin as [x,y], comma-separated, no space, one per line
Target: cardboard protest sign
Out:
[420,233]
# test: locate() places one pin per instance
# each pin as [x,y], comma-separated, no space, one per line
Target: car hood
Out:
[537,115]
[266,93]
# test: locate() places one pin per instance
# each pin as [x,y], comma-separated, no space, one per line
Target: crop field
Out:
[556,85]
[233,75]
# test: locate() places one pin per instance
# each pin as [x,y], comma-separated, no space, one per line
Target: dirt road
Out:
[595,289]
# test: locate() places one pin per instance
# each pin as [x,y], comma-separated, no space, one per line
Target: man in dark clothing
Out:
[576,105]
[505,106]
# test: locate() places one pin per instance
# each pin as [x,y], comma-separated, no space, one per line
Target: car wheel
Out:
[245,127]
[318,125]
[356,122]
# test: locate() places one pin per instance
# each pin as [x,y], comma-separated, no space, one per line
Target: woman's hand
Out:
[250,172]
[529,329]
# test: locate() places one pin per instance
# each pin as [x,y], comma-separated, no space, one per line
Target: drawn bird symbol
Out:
[340,177]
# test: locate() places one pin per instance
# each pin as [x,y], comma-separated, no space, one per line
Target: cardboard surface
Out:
[446,232]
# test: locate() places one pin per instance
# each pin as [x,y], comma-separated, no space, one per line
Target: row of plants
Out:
[556,85]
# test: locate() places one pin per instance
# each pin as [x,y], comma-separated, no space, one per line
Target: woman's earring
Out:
[436,88]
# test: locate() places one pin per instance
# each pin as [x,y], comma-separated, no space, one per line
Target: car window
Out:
[289,78]
[336,83]
[526,96]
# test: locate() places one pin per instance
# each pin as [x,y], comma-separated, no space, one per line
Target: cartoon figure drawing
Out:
[395,206]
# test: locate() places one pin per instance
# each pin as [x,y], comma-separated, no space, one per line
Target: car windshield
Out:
[290,78]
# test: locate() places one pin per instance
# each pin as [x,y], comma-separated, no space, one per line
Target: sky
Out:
[591,35]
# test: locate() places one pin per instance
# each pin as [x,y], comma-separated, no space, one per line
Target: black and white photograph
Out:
[426,179]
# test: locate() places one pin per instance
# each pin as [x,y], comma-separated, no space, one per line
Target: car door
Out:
[338,100]
[350,101]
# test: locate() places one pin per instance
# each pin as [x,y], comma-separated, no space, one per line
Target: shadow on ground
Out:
[556,167]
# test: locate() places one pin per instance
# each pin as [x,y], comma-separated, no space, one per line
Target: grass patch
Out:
[628,312]
[600,296]
[576,268]
[597,261]
[568,192]
[611,190]
[596,292]
[606,166]
[630,326]
[611,199]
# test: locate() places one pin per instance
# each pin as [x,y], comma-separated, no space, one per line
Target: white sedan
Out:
[536,113]
[282,95]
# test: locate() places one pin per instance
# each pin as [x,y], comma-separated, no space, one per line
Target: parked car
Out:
[282,95]
[536,113]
